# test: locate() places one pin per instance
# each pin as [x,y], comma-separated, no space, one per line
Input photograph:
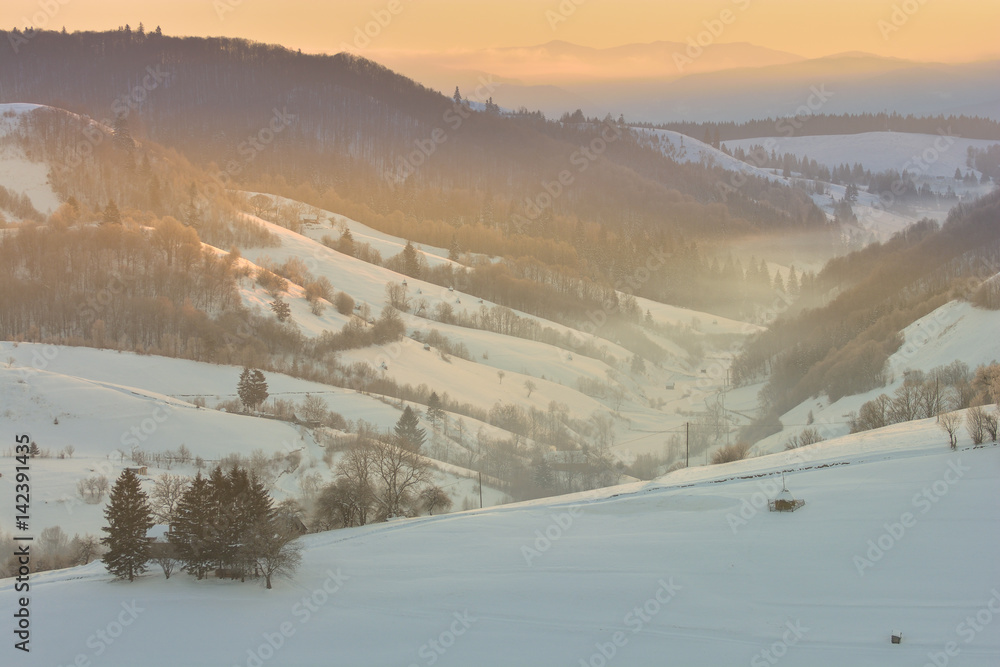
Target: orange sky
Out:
[945,30]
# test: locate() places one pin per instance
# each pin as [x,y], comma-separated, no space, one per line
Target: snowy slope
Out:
[17,172]
[956,331]
[926,154]
[683,571]
[329,223]
[103,420]
[682,148]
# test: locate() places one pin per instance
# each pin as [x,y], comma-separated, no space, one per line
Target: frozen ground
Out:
[898,534]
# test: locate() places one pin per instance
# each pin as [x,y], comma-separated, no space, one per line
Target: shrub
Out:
[734,452]
[344,303]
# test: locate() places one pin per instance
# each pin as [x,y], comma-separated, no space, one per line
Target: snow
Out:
[957,331]
[682,148]
[687,566]
[925,154]
[330,223]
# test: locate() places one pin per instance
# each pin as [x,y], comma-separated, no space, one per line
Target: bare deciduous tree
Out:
[399,472]
[167,492]
[314,408]
[951,422]
[273,551]
[433,497]
[975,424]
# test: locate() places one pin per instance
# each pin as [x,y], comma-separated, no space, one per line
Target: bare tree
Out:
[85,548]
[501,374]
[398,298]
[273,550]
[260,204]
[975,424]
[167,492]
[353,495]
[314,408]
[166,561]
[530,386]
[433,497]
[399,472]
[990,422]
[92,489]
[951,422]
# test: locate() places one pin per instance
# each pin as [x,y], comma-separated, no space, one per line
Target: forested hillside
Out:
[586,199]
[841,348]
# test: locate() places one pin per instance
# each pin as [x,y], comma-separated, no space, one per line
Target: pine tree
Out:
[111,214]
[191,533]
[129,519]
[434,411]
[458,96]
[411,261]
[281,309]
[454,251]
[346,243]
[408,430]
[252,388]
[122,136]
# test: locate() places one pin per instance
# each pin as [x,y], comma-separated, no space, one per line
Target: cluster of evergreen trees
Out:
[969,127]
[225,522]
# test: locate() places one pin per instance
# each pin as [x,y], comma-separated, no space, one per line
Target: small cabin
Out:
[142,471]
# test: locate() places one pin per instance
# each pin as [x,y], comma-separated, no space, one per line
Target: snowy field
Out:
[898,534]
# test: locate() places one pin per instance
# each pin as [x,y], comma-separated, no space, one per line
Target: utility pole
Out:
[480,489]
[687,444]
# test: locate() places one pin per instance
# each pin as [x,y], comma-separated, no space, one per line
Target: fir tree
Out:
[281,310]
[454,251]
[129,519]
[191,533]
[434,411]
[411,261]
[346,243]
[252,388]
[408,430]
[112,216]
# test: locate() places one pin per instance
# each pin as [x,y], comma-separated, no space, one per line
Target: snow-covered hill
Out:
[20,174]
[930,155]
[957,331]
[898,535]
